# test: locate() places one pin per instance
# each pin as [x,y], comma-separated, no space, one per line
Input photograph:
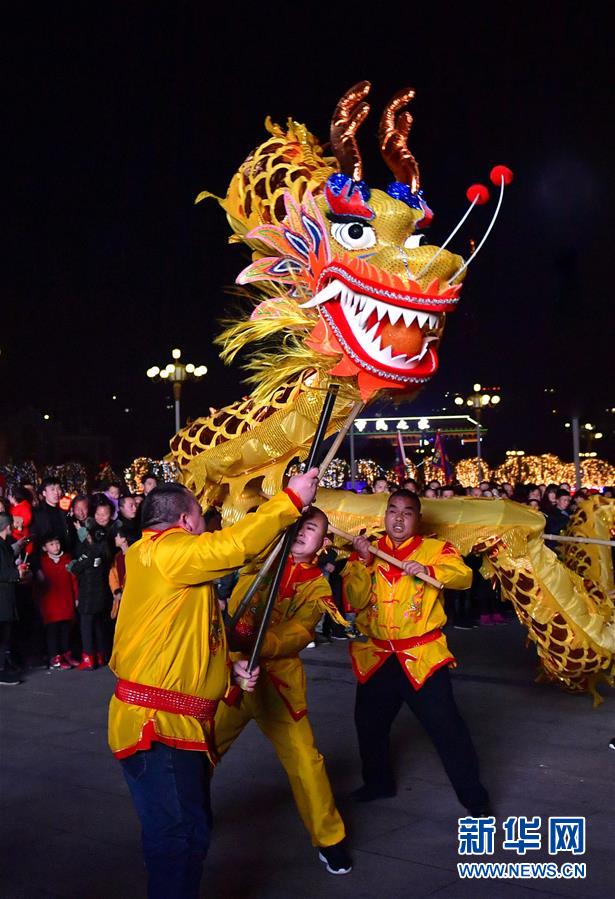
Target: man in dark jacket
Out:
[9,576]
[128,522]
[559,518]
[48,518]
[94,595]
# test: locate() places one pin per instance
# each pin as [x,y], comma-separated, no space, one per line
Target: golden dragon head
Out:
[339,270]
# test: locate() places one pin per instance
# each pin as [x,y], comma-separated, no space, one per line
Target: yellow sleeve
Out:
[186,560]
[356,585]
[292,635]
[114,578]
[450,569]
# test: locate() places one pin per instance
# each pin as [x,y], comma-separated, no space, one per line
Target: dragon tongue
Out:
[402,339]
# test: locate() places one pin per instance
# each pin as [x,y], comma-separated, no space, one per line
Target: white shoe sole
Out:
[330,870]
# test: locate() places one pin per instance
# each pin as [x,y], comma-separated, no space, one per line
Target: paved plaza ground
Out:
[68,829]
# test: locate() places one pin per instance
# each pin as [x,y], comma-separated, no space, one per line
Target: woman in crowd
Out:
[95,600]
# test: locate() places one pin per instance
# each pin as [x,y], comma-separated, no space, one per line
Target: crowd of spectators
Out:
[62,573]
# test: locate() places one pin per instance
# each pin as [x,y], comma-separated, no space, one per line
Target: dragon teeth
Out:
[332,289]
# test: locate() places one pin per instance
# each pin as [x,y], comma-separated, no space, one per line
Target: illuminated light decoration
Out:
[72,476]
[423,424]
[360,424]
[369,471]
[466,472]
[549,468]
[402,425]
[458,401]
[176,354]
[17,473]
[336,474]
[163,470]
[381,425]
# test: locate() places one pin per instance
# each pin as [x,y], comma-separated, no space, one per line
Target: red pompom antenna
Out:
[478,194]
[501,176]
[500,173]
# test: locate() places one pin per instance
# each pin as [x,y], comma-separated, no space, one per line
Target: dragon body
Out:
[341,289]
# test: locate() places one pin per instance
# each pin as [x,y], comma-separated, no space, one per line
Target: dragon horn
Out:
[349,115]
[393,134]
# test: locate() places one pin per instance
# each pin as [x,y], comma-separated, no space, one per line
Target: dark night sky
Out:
[118,114]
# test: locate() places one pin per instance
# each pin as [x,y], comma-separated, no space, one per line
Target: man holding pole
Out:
[278,704]
[170,657]
[406,657]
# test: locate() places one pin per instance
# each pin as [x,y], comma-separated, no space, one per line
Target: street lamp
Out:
[176,372]
[479,400]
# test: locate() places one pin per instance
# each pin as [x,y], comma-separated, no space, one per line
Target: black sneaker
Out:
[8,679]
[335,858]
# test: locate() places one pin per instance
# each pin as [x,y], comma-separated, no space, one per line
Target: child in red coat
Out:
[57,590]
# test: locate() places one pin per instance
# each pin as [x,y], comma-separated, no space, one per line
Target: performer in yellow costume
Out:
[170,657]
[278,703]
[406,658]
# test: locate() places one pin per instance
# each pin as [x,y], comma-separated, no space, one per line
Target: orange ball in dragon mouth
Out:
[402,339]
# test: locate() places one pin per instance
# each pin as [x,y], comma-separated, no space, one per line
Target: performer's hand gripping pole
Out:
[291,533]
[266,566]
[387,558]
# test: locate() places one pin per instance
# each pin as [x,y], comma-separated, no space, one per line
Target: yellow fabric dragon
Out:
[341,290]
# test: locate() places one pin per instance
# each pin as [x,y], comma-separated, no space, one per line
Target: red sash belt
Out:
[165,700]
[408,643]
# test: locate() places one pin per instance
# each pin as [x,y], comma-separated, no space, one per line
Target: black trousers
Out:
[92,632]
[57,634]
[378,702]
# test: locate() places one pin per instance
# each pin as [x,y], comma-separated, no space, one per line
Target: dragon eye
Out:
[354,235]
[413,241]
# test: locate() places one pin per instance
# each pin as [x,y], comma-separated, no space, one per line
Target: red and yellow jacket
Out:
[169,634]
[303,597]
[399,613]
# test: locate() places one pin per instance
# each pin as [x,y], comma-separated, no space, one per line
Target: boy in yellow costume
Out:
[278,703]
[170,656]
[406,657]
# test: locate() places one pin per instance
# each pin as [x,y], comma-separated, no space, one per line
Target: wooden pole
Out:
[341,436]
[291,533]
[266,566]
[387,558]
[559,538]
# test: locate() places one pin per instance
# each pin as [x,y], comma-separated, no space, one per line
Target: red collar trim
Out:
[297,573]
[155,535]
[400,552]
